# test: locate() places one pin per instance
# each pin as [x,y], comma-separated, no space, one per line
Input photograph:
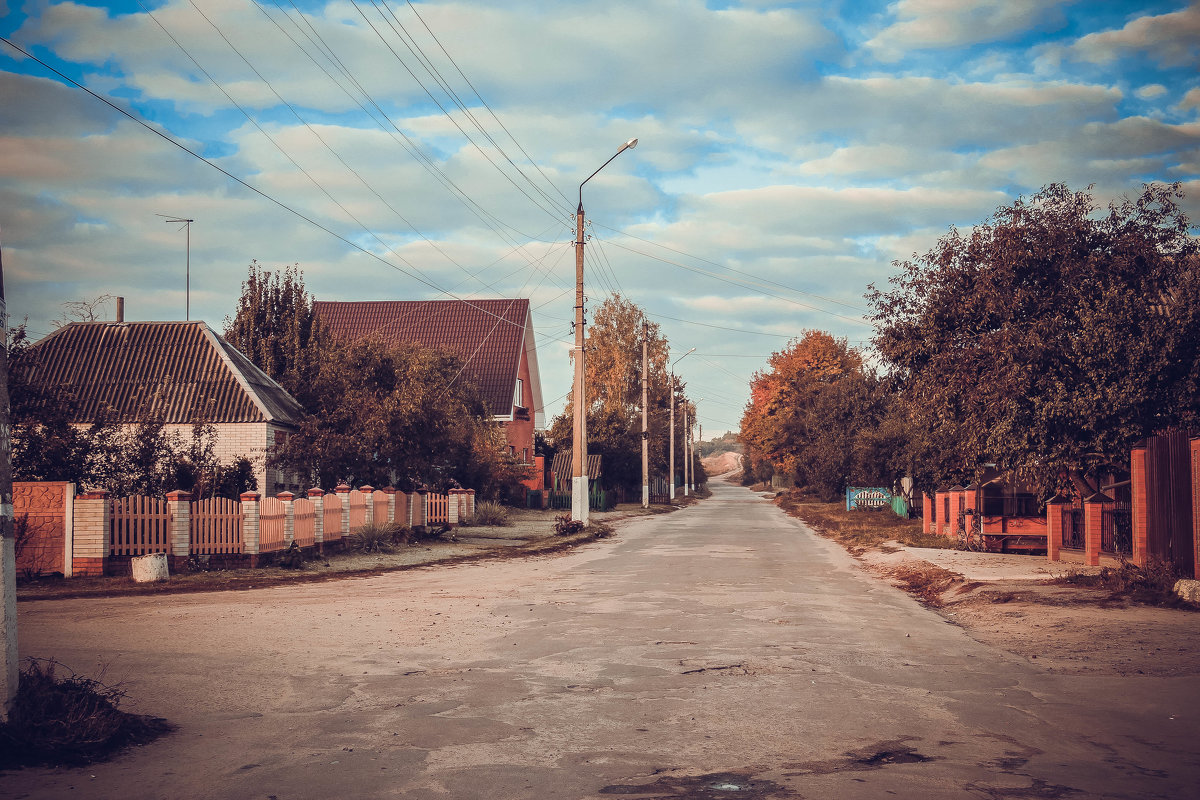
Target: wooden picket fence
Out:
[139,525]
[439,508]
[358,509]
[272,519]
[379,505]
[332,524]
[304,513]
[216,525]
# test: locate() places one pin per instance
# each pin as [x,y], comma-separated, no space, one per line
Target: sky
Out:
[789,153]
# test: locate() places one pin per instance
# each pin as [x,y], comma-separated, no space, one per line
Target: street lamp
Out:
[671,457]
[579,476]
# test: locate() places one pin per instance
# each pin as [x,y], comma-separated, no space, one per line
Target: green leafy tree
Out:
[275,327]
[1049,338]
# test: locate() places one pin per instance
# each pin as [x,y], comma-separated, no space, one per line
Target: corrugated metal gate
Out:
[1169,501]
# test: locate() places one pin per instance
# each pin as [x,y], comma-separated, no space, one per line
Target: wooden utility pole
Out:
[686,482]
[645,429]
[8,554]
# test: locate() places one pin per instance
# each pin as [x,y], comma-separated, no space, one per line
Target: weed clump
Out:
[565,526]
[69,720]
[377,538]
[1153,584]
[488,514]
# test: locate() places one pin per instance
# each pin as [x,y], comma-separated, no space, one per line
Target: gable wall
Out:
[519,432]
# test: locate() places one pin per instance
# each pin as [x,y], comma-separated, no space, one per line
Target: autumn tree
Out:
[614,386]
[1049,338]
[813,416]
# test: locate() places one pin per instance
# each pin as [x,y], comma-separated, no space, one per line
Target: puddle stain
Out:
[873,757]
[714,786]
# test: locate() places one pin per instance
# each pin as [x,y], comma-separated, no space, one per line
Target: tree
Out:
[614,387]
[1049,338]
[275,327]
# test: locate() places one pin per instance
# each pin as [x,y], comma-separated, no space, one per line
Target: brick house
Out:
[493,337]
[176,373]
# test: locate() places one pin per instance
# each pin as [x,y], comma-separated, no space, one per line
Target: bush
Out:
[565,526]
[1153,584]
[69,721]
[292,558]
[375,538]
[488,513]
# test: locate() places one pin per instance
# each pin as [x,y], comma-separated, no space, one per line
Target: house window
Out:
[525,456]
[519,394]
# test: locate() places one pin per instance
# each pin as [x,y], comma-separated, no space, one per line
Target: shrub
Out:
[69,721]
[488,513]
[565,526]
[374,537]
[292,558]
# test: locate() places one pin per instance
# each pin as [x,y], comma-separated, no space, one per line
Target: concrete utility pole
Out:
[671,455]
[645,429]
[687,434]
[579,476]
[8,554]
[187,280]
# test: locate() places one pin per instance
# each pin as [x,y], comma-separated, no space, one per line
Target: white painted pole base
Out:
[579,499]
[645,495]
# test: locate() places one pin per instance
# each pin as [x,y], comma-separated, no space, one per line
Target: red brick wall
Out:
[519,432]
[40,509]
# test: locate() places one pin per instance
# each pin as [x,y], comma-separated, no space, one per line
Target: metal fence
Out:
[1116,530]
[1072,529]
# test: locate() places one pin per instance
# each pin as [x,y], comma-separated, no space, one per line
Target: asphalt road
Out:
[720,651]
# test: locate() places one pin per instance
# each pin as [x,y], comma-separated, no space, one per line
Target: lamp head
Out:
[632,143]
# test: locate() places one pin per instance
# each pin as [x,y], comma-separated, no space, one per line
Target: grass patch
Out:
[857,531]
[376,538]
[69,720]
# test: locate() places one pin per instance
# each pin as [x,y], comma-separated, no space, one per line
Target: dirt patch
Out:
[1071,621]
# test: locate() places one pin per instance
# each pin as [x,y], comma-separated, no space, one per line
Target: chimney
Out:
[120,309]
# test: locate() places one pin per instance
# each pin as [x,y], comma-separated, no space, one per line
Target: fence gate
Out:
[1169,501]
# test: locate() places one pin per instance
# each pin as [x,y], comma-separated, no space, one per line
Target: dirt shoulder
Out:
[530,533]
[1042,611]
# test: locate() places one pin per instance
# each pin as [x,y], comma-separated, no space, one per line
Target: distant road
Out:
[720,649]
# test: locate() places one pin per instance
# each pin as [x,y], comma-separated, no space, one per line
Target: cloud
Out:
[1170,40]
[939,25]
[1190,100]
[1150,91]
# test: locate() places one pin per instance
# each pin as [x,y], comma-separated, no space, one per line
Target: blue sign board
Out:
[868,498]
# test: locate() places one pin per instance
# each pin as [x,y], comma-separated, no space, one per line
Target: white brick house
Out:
[176,373]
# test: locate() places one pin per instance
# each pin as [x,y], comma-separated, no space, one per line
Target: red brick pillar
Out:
[928,515]
[1195,461]
[91,543]
[1140,506]
[250,526]
[970,497]
[1054,518]
[1093,519]
[317,497]
[343,492]
[368,498]
[180,503]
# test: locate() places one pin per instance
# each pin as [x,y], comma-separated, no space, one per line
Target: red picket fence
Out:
[139,525]
[304,513]
[439,508]
[332,523]
[358,509]
[271,518]
[379,509]
[216,526]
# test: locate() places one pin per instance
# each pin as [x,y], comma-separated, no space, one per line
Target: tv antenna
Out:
[187,295]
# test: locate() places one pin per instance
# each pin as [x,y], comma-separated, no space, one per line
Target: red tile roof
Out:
[171,372]
[488,335]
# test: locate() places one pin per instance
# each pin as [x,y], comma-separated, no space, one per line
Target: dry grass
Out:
[1152,585]
[69,720]
[857,531]
[926,582]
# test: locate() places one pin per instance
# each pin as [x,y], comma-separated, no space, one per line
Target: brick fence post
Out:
[470,502]
[1194,452]
[343,492]
[1139,514]
[421,507]
[368,493]
[180,505]
[1093,522]
[452,507]
[289,517]
[91,533]
[1054,519]
[317,496]
[390,491]
[250,526]
[927,511]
